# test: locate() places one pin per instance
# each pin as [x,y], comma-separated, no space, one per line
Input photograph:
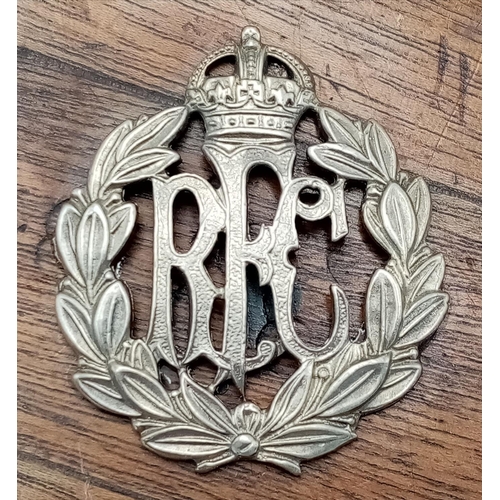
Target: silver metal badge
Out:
[250,118]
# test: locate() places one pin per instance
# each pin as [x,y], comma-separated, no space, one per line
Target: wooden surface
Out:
[415,67]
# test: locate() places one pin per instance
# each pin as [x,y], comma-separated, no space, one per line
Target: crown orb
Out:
[250,35]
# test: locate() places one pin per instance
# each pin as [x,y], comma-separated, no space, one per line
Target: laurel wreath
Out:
[317,410]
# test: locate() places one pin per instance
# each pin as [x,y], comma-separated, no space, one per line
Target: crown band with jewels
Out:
[250,104]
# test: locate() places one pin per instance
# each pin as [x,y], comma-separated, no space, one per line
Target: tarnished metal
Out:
[250,119]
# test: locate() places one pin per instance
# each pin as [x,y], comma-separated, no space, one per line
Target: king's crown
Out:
[251,105]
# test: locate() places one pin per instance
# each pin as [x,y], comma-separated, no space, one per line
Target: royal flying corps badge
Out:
[250,118]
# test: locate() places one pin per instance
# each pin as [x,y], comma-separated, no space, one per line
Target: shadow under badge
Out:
[250,119]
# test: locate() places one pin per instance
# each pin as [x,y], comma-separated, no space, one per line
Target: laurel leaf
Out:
[100,391]
[105,159]
[290,464]
[75,323]
[187,442]
[384,309]
[206,407]
[92,243]
[372,221]
[154,132]
[142,165]
[344,161]
[290,398]
[423,318]
[398,218]
[121,223]
[248,417]
[142,358]
[142,391]
[419,194]
[354,387]
[341,129]
[305,441]
[209,464]
[380,150]
[67,226]
[148,426]
[351,354]
[426,278]
[111,318]
[400,379]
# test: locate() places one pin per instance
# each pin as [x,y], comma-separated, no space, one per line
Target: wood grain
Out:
[415,67]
